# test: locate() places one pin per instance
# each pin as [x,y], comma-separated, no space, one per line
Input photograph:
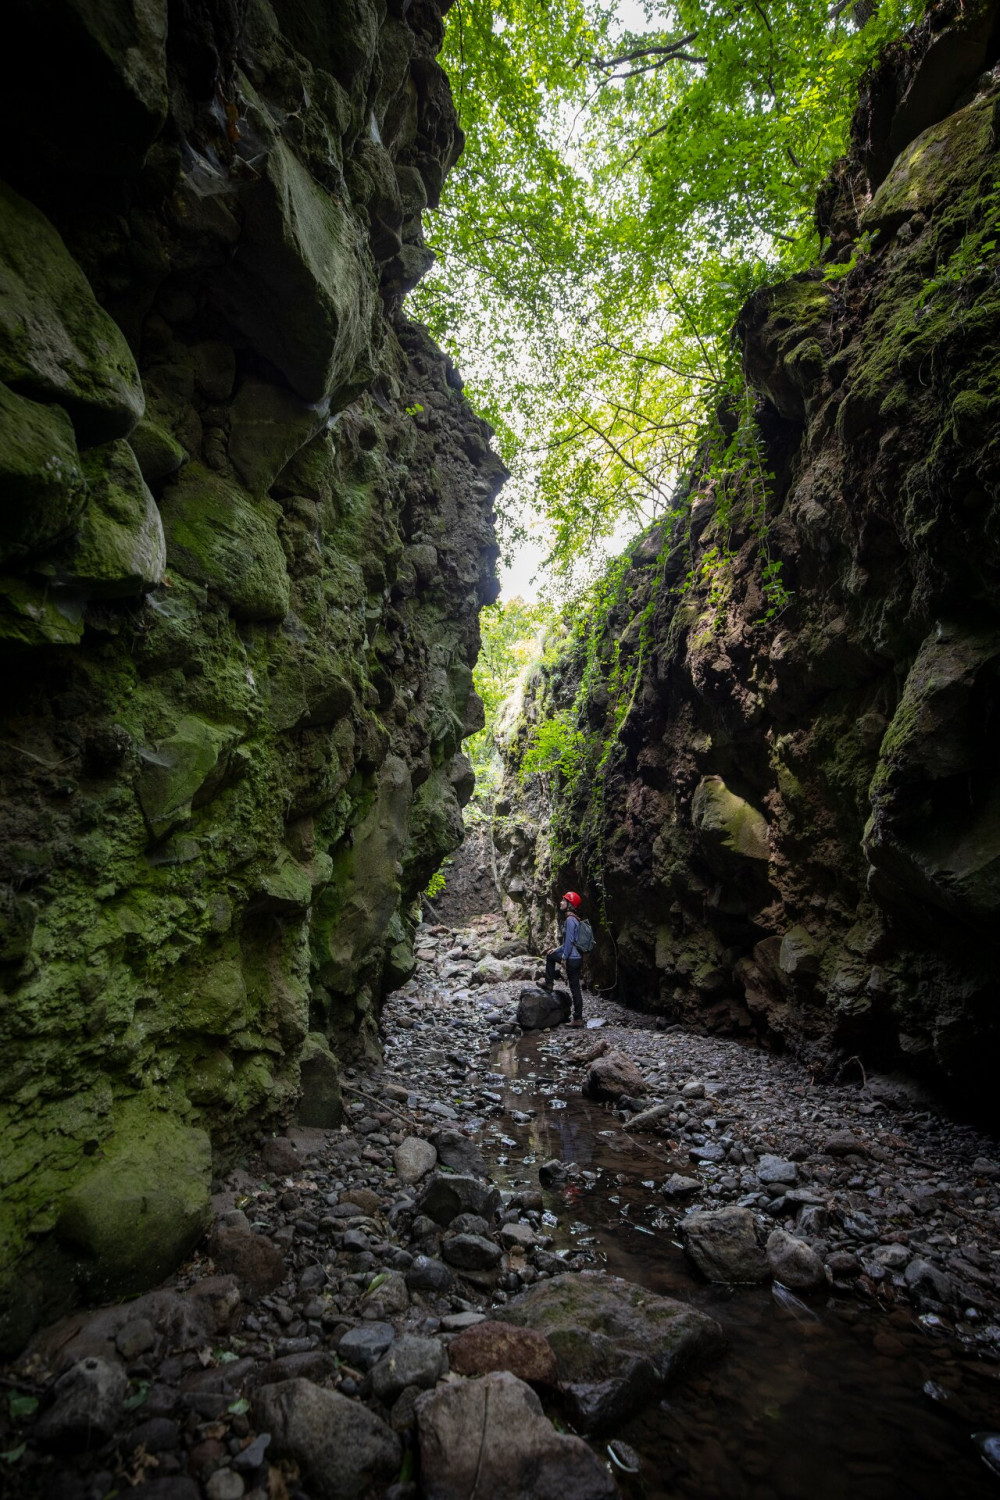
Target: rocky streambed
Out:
[547,1263]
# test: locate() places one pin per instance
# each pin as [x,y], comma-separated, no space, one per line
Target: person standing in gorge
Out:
[570,953]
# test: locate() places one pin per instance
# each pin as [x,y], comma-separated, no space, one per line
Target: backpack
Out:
[584,940]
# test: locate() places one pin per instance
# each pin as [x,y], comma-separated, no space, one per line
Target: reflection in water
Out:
[825,1401]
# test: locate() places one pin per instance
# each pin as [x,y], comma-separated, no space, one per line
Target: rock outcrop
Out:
[245,532]
[787,812]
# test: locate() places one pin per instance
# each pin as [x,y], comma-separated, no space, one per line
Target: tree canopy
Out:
[623,189]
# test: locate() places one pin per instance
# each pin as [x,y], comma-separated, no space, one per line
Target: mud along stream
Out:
[869,1387]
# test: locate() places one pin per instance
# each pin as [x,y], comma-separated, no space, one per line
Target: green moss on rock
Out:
[143,1206]
[217,535]
[56,342]
[42,486]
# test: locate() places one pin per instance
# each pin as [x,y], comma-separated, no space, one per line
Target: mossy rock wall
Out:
[786,813]
[245,533]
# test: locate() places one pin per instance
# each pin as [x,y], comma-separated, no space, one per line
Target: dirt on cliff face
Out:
[246,532]
[788,801]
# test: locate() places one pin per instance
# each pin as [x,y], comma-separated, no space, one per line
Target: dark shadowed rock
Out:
[363,1346]
[794,1263]
[470,1252]
[255,1261]
[722,1243]
[445,1197]
[490,1437]
[458,1152]
[89,1401]
[342,1449]
[538,1010]
[411,1361]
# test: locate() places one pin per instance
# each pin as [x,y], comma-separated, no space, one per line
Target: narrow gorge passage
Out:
[310,314]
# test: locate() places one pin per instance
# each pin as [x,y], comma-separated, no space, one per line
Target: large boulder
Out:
[613,1076]
[144,1206]
[616,1344]
[722,1243]
[491,1437]
[539,1010]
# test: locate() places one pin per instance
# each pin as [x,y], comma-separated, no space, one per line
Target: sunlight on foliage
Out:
[621,194]
[512,635]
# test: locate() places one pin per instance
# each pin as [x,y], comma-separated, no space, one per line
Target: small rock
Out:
[471,1252]
[427,1275]
[364,1346]
[456,1322]
[794,1263]
[281,1157]
[539,1010]
[677,1186]
[255,1261]
[134,1338]
[925,1282]
[518,1236]
[843,1265]
[225,1484]
[458,1152]
[157,1435]
[366,1200]
[893,1257]
[722,1243]
[445,1197]
[774,1169]
[413,1159]
[412,1361]
[843,1143]
[252,1456]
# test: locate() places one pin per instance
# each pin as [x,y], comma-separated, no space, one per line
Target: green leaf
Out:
[21,1406]
[13,1454]
[239,1408]
[138,1396]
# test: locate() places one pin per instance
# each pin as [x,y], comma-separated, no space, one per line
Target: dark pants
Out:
[573,967]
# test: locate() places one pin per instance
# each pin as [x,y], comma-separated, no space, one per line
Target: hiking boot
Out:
[576,1023]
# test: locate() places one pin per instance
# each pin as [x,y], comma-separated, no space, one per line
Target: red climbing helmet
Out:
[572,898]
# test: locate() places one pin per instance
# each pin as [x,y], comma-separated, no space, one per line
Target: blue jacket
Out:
[569,950]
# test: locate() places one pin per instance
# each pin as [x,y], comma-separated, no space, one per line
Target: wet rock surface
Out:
[375,1343]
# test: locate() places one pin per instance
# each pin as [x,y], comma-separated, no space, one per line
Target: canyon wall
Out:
[245,533]
[784,812]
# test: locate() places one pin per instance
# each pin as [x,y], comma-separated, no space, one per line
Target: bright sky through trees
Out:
[632,172]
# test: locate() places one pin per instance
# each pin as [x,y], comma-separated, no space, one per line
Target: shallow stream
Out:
[826,1402]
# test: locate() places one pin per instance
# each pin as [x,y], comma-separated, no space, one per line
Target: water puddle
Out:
[826,1400]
